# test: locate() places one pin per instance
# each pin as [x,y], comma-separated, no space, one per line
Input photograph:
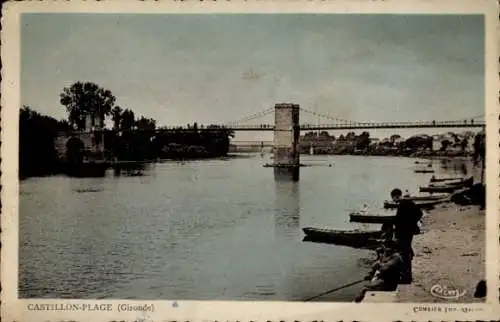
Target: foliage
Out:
[445,144]
[363,141]
[37,154]
[116,116]
[127,120]
[418,142]
[87,99]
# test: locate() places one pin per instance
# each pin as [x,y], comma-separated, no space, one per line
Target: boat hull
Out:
[428,197]
[352,238]
[448,189]
[422,204]
[451,187]
[457,179]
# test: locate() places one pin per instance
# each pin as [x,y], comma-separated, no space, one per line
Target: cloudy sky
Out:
[179,69]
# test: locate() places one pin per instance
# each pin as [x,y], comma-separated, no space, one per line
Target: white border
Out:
[15,309]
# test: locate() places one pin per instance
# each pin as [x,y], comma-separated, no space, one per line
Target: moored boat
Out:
[341,234]
[458,179]
[422,204]
[423,171]
[353,238]
[370,243]
[370,218]
[428,197]
[445,189]
[448,186]
[468,181]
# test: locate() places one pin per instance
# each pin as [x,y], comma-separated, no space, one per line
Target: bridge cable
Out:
[253,116]
[330,117]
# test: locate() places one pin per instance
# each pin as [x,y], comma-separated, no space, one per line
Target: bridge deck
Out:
[360,126]
[310,127]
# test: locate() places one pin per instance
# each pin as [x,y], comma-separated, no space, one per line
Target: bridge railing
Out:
[307,126]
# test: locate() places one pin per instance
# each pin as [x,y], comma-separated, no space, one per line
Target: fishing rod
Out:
[334,290]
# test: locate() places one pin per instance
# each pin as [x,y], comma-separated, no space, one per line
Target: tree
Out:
[127,121]
[87,99]
[363,141]
[324,135]
[116,116]
[37,152]
[418,142]
[394,137]
[145,124]
[445,144]
[350,136]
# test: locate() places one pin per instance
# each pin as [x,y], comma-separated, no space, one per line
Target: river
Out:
[201,230]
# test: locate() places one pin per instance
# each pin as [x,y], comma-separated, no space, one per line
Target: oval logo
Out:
[446,293]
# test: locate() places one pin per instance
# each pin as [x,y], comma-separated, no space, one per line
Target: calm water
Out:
[204,230]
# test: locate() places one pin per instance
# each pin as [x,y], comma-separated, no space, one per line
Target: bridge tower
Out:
[286,139]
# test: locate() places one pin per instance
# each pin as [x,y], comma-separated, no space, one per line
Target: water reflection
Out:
[457,167]
[286,173]
[287,210]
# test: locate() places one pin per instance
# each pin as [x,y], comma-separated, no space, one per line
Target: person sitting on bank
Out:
[405,227]
[387,232]
[386,272]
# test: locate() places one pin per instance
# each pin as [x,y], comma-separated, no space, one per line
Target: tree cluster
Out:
[131,137]
[37,153]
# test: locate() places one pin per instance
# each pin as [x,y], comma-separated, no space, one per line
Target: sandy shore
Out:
[450,253]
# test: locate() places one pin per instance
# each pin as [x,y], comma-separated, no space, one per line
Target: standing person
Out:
[405,227]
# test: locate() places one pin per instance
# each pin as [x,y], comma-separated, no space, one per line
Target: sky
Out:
[210,68]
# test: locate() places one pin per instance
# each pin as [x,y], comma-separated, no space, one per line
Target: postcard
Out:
[250,161]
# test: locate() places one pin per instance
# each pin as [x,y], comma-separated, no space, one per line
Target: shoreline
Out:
[448,231]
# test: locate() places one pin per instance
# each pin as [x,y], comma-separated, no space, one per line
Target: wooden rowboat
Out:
[353,238]
[448,187]
[341,234]
[432,189]
[458,179]
[371,219]
[428,197]
[422,204]
[423,171]
[460,182]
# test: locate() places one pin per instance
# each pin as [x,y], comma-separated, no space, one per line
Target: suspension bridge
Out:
[334,123]
[287,128]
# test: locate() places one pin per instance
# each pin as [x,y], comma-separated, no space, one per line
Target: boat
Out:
[370,243]
[428,197]
[423,171]
[341,234]
[461,183]
[453,181]
[354,238]
[370,218]
[432,189]
[434,179]
[448,186]
[422,204]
